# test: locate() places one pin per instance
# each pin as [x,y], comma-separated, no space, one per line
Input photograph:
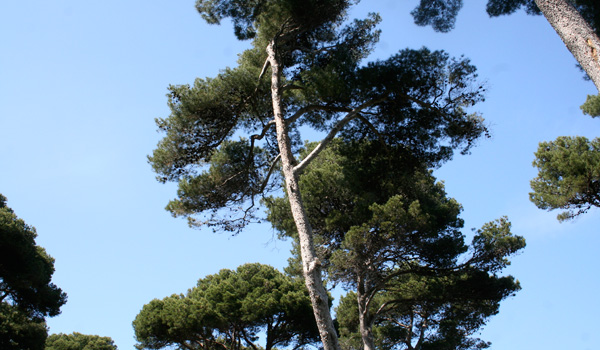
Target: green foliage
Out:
[386,229]
[228,310]
[19,330]
[507,7]
[569,176]
[591,106]
[416,99]
[250,17]
[26,292]
[78,341]
[446,311]
[589,9]
[441,14]
[353,187]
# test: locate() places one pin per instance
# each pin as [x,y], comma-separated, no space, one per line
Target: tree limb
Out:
[338,126]
[311,108]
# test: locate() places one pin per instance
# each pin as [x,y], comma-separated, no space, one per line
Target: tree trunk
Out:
[364,323]
[310,262]
[579,37]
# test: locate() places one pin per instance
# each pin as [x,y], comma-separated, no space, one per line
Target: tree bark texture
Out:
[310,262]
[579,37]
[364,322]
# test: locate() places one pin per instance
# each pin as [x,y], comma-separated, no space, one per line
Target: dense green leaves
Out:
[420,112]
[19,330]
[506,7]
[351,186]
[591,106]
[78,341]
[27,294]
[445,311]
[416,98]
[228,310]
[251,16]
[416,102]
[440,14]
[386,230]
[569,176]
[25,268]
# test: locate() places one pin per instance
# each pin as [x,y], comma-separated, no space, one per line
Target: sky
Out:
[82,81]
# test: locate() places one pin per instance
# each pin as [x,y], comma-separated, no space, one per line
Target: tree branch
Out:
[311,108]
[338,126]
[372,128]
[262,72]
[422,328]
[271,168]
[248,341]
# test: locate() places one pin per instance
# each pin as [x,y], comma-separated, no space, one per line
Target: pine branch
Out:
[338,126]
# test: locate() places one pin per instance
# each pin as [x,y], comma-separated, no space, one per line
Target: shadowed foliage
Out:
[27,294]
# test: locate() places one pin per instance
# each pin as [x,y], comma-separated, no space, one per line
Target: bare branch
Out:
[263,132]
[338,126]
[262,72]
[271,168]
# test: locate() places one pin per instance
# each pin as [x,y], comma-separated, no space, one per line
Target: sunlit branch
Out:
[338,126]
[262,72]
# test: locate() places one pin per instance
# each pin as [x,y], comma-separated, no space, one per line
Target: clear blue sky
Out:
[82,81]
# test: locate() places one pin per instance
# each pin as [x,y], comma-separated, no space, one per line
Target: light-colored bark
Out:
[576,33]
[310,262]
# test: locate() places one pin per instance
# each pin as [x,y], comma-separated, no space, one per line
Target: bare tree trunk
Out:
[310,262]
[364,323]
[579,37]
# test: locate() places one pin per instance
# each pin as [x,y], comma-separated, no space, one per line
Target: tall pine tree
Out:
[226,136]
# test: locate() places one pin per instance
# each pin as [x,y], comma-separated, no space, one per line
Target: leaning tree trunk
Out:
[310,263]
[579,37]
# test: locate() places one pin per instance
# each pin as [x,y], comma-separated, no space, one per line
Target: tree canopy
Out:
[419,307]
[78,341]
[386,230]
[228,310]
[226,135]
[577,22]
[569,176]
[27,294]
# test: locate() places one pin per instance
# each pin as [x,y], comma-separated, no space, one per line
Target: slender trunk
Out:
[310,262]
[579,37]
[364,322]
